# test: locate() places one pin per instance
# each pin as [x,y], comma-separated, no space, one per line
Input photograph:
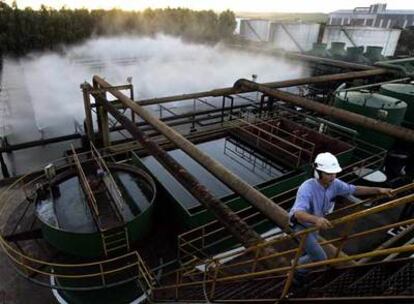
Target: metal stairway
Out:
[105,202]
[380,282]
[115,241]
[241,277]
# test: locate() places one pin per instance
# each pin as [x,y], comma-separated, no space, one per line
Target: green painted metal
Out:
[337,50]
[376,106]
[355,54]
[374,54]
[125,293]
[90,244]
[236,203]
[403,67]
[404,92]
[319,50]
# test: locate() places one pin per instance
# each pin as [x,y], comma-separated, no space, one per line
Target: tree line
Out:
[22,31]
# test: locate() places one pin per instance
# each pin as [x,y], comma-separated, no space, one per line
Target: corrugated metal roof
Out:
[387,12]
[397,12]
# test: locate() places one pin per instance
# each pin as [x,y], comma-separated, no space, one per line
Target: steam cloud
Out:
[48,83]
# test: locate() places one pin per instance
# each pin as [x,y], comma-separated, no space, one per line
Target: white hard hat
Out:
[328,163]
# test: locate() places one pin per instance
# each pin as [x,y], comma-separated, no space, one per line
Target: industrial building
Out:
[376,15]
[355,36]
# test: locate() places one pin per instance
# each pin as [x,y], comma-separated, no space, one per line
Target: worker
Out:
[315,200]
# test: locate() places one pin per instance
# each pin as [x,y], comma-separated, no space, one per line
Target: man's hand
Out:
[385,191]
[323,223]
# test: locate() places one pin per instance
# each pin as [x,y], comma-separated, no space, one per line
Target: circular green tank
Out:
[374,54]
[375,106]
[337,50]
[319,50]
[355,54]
[68,220]
[404,92]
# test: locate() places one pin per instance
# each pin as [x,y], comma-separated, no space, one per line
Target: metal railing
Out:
[270,139]
[85,184]
[223,272]
[99,274]
[108,178]
[198,240]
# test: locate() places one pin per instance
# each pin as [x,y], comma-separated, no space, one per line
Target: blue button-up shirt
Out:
[317,200]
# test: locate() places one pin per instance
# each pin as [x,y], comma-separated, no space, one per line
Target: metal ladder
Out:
[115,241]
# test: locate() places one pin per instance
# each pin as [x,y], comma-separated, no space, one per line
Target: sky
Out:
[324,6]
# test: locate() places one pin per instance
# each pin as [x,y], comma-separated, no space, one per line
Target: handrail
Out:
[339,260]
[109,182]
[33,266]
[244,124]
[84,182]
[302,234]
[367,162]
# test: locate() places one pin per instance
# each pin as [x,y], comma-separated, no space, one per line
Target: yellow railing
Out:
[108,179]
[128,267]
[254,255]
[245,125]
[85,184]
[213,230]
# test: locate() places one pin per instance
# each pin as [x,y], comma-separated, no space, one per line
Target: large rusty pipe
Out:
[237,227]
[343,115]
[277,214]
[271,210]
[276,84]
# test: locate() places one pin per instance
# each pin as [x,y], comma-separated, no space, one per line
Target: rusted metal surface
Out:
[277,214]
[271,210]
[343,115]
[237,227]
[277,84]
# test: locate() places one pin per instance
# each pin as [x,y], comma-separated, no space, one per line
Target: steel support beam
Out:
[237,227]
[277,214]
[343,115]
[271,210]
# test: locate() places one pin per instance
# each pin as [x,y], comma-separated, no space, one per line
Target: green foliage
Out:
[22,31]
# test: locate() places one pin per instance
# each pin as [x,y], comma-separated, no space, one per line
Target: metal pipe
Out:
[223,213]
[30,144]
[276,84]
[343,115]
[277,214]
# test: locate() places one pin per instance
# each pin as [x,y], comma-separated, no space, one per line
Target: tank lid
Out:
[371,175]
[401,88]
[372,100]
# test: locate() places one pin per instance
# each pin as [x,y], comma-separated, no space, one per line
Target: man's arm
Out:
[362,190]
[320,222]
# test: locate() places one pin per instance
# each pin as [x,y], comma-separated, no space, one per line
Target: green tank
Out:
[374,54]
[337,50]
[375,106]
[404,92]
[319,50]
[69,225]
[356,54]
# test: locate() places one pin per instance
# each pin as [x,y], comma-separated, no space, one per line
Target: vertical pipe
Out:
[88,115]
